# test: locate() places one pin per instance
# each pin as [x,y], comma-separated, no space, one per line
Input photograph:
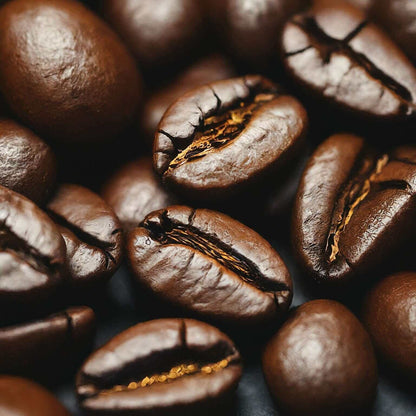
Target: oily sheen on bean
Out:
[209,264]
[162,367]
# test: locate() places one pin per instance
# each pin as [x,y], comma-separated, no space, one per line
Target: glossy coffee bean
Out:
[354,208]
[205,70]
[64,72]
[20,397]
[341,58]
[27,164]
[209,264]
[250,28]
[398,17]
[92,234]
[217,139]
[321,362]
[46,345]
[163,367]
[134,192]
[390,316]
[32,252]
[156,35]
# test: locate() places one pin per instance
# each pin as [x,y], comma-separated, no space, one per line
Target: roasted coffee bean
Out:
[321,362]
[338,56]
[389,316]
[354,208]
[398,18]
[209,264]
[158,35]
[250,29]
[134,192]
[209,69]
[32,252]
[27,164]
[217,139]
[20,397]
[64,72]
[92,234]
[162,367]
[46,345]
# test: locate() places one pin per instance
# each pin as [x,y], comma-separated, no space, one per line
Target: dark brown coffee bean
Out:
[212,68]
[92,234]
[46,345]
[158,35]
[217,139]
[162,367]
[64,72]
[354,208]
[390,317]
[321,362]
[27,164]
[209,264]
[20,397]
[336,54]
[32,251]
[134,192]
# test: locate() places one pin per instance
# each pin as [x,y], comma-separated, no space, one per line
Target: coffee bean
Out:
[362,4]
[162,367]
[321,362]
[134,192]
[389,316]
[209,264]
[27,164]
[92,234]
[354,208]
[341,58]
[218,139]
[32,252]
[64,72]
[46,345]
[22,397]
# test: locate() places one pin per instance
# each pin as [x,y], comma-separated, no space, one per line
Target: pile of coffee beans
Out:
[193,189]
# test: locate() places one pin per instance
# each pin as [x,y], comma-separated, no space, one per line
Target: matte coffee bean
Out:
[48,344]
[340,57]
[162,367]
[92,234]
[27,164]
[354,209]
[217,139]
[209,264]
[64,72]
[156,35]
[134,192]
[20,397]
[389,316]
[205,70]
[32,252]
[321,362]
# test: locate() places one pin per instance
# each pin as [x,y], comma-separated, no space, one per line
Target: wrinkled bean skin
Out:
[217,140]
[336,55]
[92,234]
[48,344]
[64,73]
[150,350]
[134,192]
[20,397]
[210,265]
[156,35]
[354,209]
[389,316]
[27,164]
[32,252]
[321,362]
